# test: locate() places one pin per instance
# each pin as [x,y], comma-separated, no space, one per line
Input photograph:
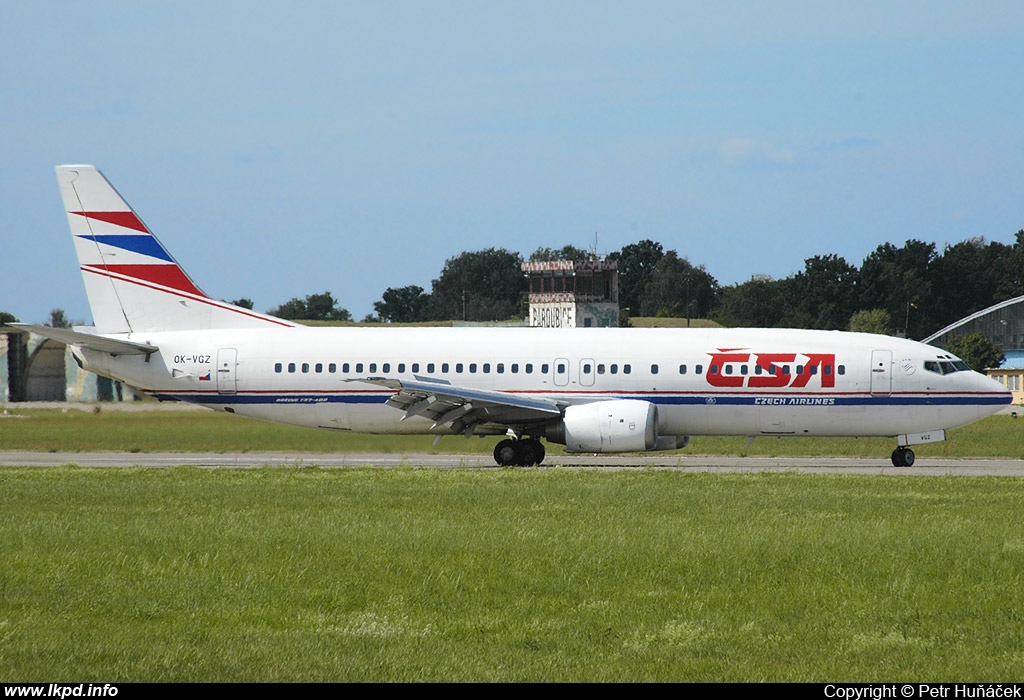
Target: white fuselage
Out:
[703,381]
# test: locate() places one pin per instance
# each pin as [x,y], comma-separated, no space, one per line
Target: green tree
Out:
[751,304]
[244,302]
[824,291]
[566,252]
[900,280]
[677,288]
[974,274]
[6,318]
[58,319]
[871,321]
[315,307]
[636,265]
[482,285]
[402,304]
[977,351]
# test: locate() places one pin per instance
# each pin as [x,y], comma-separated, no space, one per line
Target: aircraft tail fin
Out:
[133,283]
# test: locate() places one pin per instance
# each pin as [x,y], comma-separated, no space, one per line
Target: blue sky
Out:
[351,147]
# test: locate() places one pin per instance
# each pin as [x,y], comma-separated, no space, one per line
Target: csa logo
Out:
[771,369]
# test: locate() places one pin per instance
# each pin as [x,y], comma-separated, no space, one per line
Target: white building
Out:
[574,293]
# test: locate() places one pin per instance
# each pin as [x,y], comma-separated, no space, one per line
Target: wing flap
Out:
[462,407]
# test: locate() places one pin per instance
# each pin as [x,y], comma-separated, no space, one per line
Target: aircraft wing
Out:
[463,408]
[89,341]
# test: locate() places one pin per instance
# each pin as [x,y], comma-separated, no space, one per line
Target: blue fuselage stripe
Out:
[659,399]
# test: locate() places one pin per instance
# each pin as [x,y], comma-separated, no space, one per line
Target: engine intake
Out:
[621,425]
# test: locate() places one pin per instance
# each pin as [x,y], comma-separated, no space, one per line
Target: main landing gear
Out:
[519,453]
[903,457]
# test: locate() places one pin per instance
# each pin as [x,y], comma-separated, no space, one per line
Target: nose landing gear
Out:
[903,457]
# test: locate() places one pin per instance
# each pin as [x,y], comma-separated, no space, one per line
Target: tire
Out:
[527,453]
[538,451]
[903,457]
[506,453]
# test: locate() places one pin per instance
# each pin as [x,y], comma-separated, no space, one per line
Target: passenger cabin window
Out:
[373,367]
[544,368]
[682,369]
[305,367]
[529,368]
[332,368]
[291,367]
[277,367]
[401,367]
[345,368]
[386,368]
[359,367]
[458,368]
[654,369]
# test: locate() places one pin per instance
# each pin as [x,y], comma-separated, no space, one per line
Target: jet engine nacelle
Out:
[621,425]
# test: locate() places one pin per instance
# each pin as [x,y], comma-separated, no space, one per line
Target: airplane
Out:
[591,390]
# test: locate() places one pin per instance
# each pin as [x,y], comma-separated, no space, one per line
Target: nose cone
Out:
[991,394]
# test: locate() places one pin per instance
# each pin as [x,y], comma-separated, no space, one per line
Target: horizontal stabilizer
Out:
[89,341]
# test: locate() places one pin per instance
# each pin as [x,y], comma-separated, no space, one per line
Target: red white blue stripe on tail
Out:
[133,282]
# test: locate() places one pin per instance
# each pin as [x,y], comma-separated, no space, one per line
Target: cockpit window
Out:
[946,366]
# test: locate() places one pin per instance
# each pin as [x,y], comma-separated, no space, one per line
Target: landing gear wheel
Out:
[506,453]
[903,457]
[527,453]
[519,453]
[538,451]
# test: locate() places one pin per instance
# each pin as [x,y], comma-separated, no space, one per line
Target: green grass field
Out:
[507,575]
[207,431]
[308,574]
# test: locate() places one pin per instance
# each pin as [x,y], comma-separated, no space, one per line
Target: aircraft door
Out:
[587,372]
[881,372]
[227,361]
[561,368]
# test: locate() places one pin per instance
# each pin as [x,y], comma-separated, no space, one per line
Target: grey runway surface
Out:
[693,463]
